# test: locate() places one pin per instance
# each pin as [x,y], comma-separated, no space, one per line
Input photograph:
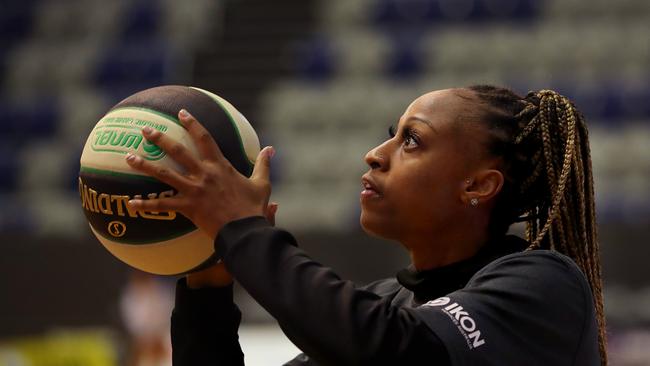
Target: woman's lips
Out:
[369,193]
[369,188]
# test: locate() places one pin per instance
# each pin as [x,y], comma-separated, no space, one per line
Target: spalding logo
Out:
[116,228]
[111,204]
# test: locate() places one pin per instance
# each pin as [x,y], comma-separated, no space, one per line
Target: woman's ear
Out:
[484,186]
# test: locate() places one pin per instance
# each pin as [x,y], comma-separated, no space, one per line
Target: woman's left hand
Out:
[217,275]
[212,192]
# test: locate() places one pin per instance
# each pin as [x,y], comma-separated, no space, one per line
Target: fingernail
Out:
[147,130]
[132,202]
[270,152]
[183,113]
[131,158]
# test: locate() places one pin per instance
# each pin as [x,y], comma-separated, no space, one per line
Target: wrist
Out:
[213,276]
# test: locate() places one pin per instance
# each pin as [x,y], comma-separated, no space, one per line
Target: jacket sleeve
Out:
[204,327]
[329,319]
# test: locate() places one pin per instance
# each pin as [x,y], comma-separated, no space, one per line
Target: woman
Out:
[459,169]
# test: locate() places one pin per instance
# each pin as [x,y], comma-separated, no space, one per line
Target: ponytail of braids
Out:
[543,141]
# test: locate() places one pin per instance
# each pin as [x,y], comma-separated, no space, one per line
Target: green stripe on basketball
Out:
[153,111]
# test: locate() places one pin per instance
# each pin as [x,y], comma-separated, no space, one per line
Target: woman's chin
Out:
[372,226]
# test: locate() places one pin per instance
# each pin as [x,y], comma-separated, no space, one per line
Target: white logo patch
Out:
[463,320]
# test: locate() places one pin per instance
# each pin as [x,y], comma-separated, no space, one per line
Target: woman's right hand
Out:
[217,275]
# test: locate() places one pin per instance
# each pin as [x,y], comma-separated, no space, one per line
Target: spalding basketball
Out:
[156,242]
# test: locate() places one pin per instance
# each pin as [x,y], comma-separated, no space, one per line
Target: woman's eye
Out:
[410,138]
[391,131]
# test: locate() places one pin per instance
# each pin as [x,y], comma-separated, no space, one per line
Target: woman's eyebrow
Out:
[423,120]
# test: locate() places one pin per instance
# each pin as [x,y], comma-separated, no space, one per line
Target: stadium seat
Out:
[314,60]
[15,21]
[344,14]
[141,21]
[406,59]
[9,164]
[10,222]
[125,69]
[29,118]
[361,54]
[49,169]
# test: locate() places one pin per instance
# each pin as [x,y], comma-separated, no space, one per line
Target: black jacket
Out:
[496,308]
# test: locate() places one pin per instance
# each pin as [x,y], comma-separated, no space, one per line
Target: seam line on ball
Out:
[153,111]
[232,122]
[85,169]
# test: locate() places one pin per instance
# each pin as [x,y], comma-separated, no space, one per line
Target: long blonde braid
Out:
[549,181]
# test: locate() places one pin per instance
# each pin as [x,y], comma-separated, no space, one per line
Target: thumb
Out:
[262,167]
[271,210]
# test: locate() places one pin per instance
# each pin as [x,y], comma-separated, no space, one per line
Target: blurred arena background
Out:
[320,80]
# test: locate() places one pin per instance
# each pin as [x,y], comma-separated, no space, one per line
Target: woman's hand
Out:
[212,192]
[217,275]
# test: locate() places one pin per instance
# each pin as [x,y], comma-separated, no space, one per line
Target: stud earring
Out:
[468,181]
[474,202]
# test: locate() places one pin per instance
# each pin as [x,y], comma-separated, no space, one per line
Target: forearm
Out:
[328,318]
[204,327]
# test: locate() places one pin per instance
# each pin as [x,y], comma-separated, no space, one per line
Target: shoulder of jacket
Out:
[540,260]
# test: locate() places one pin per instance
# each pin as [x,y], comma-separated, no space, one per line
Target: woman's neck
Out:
[446,247]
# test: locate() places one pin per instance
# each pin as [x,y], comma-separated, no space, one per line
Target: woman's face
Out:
[416,178]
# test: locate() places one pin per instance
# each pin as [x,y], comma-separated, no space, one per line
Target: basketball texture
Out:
[157,242]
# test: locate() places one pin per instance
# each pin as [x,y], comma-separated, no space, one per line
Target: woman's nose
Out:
[377,157]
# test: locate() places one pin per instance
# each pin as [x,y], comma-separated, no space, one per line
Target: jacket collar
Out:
[433,283]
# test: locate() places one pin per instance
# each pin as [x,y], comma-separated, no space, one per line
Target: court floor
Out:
[265,345]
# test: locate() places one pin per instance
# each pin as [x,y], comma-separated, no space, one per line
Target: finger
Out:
[157,204]
[262,168]
[163,174]
[271,210]
[174,149]
[208,148]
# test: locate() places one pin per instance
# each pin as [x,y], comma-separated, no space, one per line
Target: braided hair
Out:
[542,140]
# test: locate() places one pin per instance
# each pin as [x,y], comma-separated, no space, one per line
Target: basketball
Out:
[164,243]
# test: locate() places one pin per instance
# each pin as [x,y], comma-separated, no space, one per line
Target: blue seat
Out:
[315,60]
[423,13]
[9,165]
[4,50]
[505,10]
[634,103]
[495,11]
[72,167]
[15,215]
[404,13]
[16,20]
[132,67]
[406,57]
[601,103]
[612,109]
[29,119]
[141,21]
